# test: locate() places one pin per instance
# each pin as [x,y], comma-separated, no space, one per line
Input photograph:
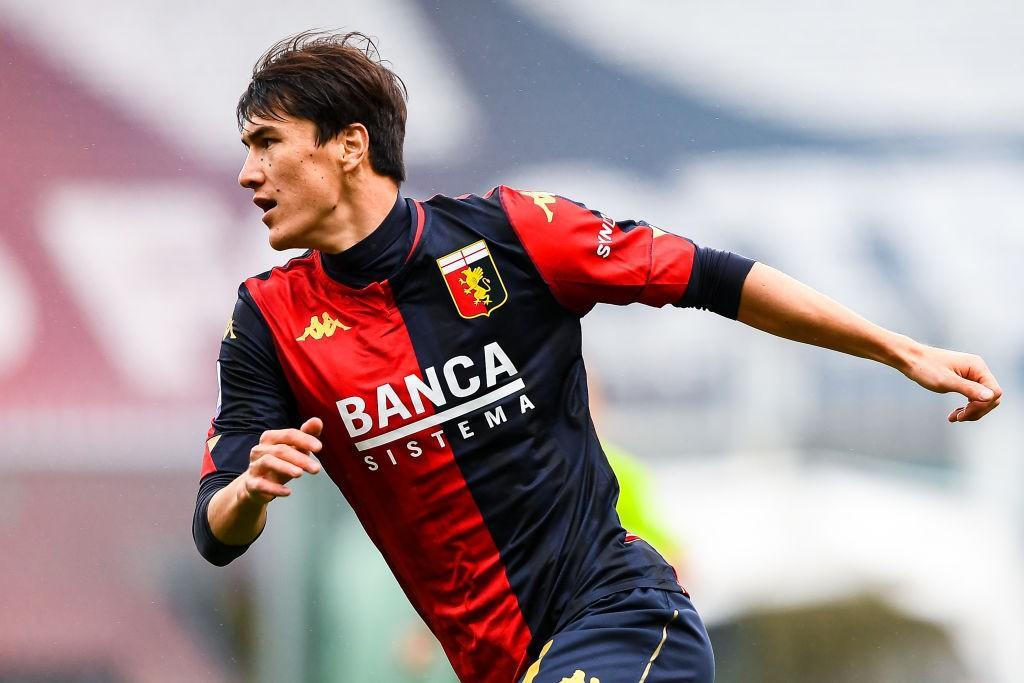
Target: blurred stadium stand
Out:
[875,152]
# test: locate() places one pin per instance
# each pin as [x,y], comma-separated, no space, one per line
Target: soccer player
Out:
[427,356]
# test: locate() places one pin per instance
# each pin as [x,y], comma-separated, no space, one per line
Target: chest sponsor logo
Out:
[325,326]
[466,394]
[473,280]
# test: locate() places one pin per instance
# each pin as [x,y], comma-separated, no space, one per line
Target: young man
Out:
[428,355]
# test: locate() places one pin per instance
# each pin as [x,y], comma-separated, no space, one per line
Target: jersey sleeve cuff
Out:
[210,547]
[716,282]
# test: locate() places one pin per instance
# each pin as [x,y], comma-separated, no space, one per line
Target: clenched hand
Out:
[280,456]
[943,371]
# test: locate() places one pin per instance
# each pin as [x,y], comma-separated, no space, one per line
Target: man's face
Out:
[295,182]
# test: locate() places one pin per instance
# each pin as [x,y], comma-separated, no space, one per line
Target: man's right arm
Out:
[250,451]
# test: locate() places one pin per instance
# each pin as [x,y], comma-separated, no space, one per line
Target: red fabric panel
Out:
[420,218]
[586,258]
[208,465]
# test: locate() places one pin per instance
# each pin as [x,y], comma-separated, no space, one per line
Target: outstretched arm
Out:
[774,302]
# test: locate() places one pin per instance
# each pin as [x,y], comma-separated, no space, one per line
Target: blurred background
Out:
[829,523]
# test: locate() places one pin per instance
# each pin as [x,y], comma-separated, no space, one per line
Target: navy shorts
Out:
[644,635]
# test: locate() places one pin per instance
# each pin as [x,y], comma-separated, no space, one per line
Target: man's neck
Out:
[362,206]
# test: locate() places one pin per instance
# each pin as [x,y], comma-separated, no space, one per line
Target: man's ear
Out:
[354,146]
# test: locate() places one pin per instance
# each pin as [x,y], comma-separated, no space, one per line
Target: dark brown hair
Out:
[333,80]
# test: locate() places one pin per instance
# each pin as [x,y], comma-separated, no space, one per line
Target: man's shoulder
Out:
[468,200]
[509,204]
[297,266]
[494,196]
[281,283]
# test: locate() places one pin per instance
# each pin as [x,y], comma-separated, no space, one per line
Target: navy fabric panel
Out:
[254,395]
[210,547]
[377,255]
[643,634]
[539,478]
[716,282]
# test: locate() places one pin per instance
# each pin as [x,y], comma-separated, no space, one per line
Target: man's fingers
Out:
[283,455]
[278,468]
[981,400]
[298,459]
[974,391]
[265,490]
[313,426]
[975,373]
[975,410]
[976,382]
[990,383]
[280,456]
[294,437]
[944,371]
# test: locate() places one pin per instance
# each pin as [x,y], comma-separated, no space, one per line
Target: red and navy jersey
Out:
[454,401]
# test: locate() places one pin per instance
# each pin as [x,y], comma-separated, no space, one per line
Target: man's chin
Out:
[282,241]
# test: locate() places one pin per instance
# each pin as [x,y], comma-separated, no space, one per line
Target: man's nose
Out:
[251,175]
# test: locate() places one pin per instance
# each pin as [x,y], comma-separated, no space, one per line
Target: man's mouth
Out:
[264,203]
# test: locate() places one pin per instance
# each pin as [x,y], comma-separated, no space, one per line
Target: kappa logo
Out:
[229,331]
[473,280]
[543,200]
[326,327]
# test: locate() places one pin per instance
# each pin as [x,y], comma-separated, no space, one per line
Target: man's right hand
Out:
[238,512]
[280,456]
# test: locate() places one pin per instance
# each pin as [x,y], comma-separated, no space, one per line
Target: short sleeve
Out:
[587,258]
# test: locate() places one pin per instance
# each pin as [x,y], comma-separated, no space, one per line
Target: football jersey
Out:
[454,400]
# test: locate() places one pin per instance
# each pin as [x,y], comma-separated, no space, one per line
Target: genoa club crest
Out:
[473,280]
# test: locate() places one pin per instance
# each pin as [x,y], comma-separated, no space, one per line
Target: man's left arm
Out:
[587,258]
[776,303]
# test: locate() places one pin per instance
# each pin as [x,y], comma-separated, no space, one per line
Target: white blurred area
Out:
[887,66]
[792,476]
[766,531]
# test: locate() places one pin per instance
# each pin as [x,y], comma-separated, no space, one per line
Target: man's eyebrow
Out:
[257,132]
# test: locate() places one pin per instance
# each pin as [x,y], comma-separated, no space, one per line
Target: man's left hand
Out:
[944,371]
